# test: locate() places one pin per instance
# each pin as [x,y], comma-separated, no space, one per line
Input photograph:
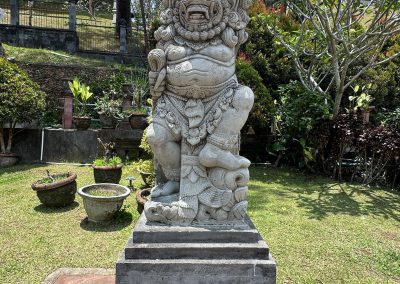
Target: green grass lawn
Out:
[318,231]
[41,55]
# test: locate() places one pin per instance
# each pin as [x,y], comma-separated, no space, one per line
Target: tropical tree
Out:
[21,100]
[338,41]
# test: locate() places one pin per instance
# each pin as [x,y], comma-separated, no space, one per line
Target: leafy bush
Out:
[21,100]
[81,94]
[266,55]
[392,119]
[145,166]
[297,113]
[263,109]
[352,150]
[111,84]
[112,162]
[109,107]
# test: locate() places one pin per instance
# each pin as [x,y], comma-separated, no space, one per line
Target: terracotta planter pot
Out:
[107,174]
[138,120]
[8,160]
[82,123]
[100,208]
[141,198]
[108,122]
[57,194]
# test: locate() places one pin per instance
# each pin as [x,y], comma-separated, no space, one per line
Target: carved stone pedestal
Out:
[226,253]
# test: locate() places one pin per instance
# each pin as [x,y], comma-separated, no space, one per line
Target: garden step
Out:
[166,271]
[244,232]
[257,250]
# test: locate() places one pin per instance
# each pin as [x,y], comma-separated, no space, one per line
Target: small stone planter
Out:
[8,160]
[138,121]
[107,174]
[82,123]
[108,122]
[102,201]
[146,177]
[57,194]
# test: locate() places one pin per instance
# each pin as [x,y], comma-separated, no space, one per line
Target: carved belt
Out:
[200,92]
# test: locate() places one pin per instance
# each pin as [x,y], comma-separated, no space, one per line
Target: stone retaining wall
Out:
[39,37]
[74,146]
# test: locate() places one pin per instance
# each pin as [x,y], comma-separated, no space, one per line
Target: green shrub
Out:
[263,109]
[267,55]
[112,162]
[297,113]
[391,119]
[21,100]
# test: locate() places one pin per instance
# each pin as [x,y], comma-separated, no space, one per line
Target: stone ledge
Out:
[146,232]
[258,250]
[195,271]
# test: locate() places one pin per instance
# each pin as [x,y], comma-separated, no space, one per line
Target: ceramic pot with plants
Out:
[109,168]
[102,201]
[139,113]
[141,198]
[21,101]
[138,119]
[109,111]
[56,190]
[81,94]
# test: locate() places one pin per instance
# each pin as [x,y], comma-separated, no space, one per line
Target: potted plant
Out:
[362,101]
[146,171]
[81,94]
[142,196]
[138,114]
[109,111]
[56,190]
[138,118]
[102,201]
[109,168]
[21,101]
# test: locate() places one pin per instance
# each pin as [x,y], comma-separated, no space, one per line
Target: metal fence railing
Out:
[44,14]
[97,38]
[92,32]
[136,43]
[5,12]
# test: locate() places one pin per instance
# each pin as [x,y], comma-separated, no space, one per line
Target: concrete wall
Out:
[71,145]
[39,37]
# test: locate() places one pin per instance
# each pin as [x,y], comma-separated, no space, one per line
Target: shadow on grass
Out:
[321,196]
[20,168]
[51,210]
[121,220]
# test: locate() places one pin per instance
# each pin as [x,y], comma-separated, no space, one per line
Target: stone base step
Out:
[257,250]
[198,254]
[240,232]
[171,271]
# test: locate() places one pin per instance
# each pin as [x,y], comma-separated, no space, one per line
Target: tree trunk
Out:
[90,4]
[10,137]
[338,100]
[2,144]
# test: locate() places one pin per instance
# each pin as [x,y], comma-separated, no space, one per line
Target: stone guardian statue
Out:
[199,110]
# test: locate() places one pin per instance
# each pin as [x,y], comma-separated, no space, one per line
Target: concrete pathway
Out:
[81,276]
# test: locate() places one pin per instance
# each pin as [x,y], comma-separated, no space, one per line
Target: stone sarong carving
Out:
[199,110]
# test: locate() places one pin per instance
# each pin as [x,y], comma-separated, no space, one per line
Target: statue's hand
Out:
[157,82]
